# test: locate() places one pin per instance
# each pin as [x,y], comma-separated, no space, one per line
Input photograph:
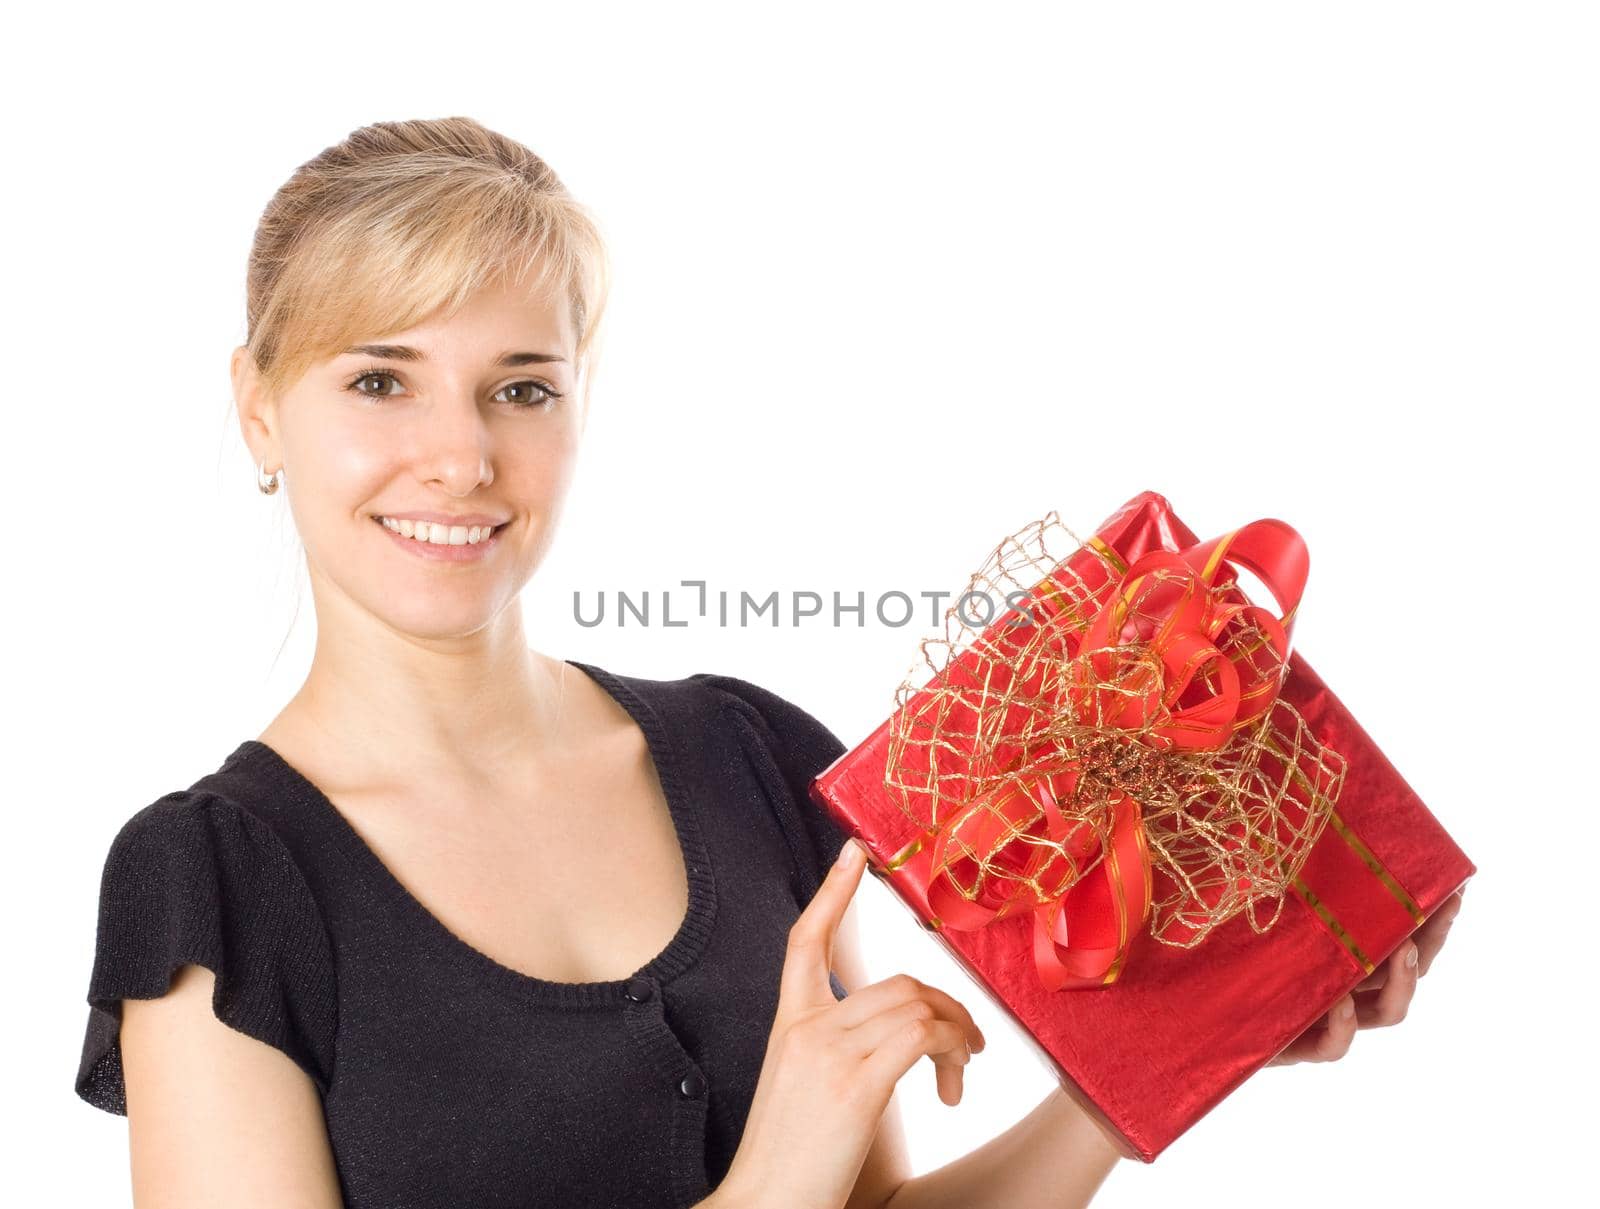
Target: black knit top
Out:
[447,1078]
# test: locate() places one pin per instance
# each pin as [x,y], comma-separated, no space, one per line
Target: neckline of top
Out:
[681,952]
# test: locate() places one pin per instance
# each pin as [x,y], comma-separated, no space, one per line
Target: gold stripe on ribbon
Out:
[1306,893]
[933,923]
[1107,553]
[1367,856]
[1217,556]
[1334,926]
[1122,913]
[906,853]
[1373,863]
[1065,606]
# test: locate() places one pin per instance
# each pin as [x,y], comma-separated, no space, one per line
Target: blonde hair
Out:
[405,219]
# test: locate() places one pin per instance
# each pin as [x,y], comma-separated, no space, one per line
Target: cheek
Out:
[348,460]
[542,469]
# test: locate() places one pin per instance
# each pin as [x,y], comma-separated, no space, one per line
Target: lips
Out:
[378,520]
[466,520]
[443,551]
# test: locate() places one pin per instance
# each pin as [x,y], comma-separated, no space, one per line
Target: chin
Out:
[435,627]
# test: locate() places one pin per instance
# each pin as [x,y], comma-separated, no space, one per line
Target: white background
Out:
[892,281]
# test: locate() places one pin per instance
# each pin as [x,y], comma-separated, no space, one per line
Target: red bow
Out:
[1172,661]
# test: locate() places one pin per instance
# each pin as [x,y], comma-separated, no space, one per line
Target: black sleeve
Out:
[794,747]
[195,878]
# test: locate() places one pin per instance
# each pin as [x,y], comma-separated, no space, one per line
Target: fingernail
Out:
[1346,1010]
[1411,956]
[847,854]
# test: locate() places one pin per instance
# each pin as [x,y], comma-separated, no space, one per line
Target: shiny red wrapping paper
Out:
[1179,1029]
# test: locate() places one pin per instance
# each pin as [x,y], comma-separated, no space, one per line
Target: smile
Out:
[441,543]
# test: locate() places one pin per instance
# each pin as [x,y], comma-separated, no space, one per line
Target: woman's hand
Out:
[1380,999]
[831,1065]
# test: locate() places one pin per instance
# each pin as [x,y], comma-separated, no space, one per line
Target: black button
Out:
[639,990]
[693,1085]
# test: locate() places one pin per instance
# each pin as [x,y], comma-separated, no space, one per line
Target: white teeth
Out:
[438,535]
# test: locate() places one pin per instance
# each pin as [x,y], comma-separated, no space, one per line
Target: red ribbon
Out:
[1149,668]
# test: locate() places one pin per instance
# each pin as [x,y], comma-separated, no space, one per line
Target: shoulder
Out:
[786,744]
[790,747]
[185,813]
[195,831]
[798,731]
[196,877]
[794,733]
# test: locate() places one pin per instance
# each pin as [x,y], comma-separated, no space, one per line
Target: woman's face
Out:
[467,423]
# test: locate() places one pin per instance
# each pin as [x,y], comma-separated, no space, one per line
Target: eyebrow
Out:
[402,352]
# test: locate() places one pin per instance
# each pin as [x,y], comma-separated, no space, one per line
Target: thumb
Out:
[810,954]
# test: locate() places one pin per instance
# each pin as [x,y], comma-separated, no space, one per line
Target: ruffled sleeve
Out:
[196,878]
[789,747]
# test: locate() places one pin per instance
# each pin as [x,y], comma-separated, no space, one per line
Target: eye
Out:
[367,375]
[546,394]
[536,393]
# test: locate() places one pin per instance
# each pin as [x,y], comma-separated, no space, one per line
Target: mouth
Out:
[455,552]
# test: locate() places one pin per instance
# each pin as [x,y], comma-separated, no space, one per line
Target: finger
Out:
[876,998]
[1430,937]
[902,1041]
[947,1081]
[1375,979]
[1335,1040]
[1326,1040]
[1388,1005]
[809,958]
[874,1033]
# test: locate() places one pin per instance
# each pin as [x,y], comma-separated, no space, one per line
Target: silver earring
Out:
[268,483]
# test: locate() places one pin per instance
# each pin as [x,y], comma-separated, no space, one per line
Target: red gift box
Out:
[1174,1030]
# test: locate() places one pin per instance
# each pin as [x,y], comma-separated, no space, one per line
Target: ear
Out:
[256,408]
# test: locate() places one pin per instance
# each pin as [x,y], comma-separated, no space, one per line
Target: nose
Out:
[454,448]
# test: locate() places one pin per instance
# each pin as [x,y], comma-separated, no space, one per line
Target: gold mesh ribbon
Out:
[1113,749]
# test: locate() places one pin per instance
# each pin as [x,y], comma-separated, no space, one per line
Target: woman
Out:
[467,923]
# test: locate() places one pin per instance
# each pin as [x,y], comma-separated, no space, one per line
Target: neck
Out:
[419,710]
